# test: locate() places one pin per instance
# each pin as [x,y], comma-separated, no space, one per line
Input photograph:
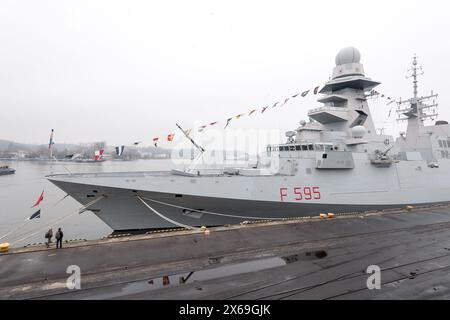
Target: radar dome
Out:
[358,132]
[348,55]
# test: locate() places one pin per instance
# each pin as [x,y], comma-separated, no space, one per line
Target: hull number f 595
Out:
[300,193]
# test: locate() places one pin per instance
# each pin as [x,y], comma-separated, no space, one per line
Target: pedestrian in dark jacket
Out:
[59,237]
[49,236]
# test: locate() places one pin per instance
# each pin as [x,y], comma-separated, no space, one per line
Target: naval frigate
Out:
[335,162]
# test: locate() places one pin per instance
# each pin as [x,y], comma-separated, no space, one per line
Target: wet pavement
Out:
[305,259]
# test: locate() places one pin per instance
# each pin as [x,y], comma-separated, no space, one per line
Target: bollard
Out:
[4,247]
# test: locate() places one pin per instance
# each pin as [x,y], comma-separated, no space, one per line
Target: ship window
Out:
[298,148]
[304,147]
[324,156]
[292,148]
[442,154]
[446,154]
[440,144]
[310,147]
[448,143]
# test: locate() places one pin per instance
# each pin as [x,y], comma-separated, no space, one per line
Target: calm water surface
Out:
[18,192]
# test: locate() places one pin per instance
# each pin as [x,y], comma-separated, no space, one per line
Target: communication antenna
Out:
[416,107]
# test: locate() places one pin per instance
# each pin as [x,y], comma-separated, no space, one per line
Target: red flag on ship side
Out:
[39,200]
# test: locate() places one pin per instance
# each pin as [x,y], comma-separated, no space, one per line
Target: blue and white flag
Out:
[35,215]
[119,150]
[50,143]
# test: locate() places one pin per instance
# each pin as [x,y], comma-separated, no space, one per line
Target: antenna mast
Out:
[416,107]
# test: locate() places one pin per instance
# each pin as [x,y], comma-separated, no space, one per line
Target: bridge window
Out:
[440,144]
[319,147]
[298,148]
[310,147]
[292,148]
[304,147]
[328,147]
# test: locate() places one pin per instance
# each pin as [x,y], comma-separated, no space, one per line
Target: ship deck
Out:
[309,258]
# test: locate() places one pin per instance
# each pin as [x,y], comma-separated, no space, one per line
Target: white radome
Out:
[348,55]
[358,132]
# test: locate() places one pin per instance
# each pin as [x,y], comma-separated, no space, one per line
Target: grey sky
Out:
[128,70]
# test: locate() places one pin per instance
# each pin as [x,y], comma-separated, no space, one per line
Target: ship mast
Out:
[416,108]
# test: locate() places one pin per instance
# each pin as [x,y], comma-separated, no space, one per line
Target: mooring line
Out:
[59,219]
[167,219]
[27,220]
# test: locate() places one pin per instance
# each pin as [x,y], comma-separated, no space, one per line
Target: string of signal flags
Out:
[261,110]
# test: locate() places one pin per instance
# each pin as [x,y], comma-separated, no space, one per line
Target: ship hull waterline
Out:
[122,210]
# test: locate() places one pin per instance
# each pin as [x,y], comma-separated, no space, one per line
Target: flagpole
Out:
[50,143]
[190,139]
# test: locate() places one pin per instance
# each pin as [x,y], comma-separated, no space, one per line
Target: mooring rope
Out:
[28,220]
[59,220]
[212,213]
[167,219]
[14,230]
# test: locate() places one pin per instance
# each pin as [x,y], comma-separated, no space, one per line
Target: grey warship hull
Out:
[123,211]
[220,200]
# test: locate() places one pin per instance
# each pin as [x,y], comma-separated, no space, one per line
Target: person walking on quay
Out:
[59,237]
[49,236]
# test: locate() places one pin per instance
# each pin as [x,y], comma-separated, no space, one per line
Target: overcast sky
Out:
[123,71]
